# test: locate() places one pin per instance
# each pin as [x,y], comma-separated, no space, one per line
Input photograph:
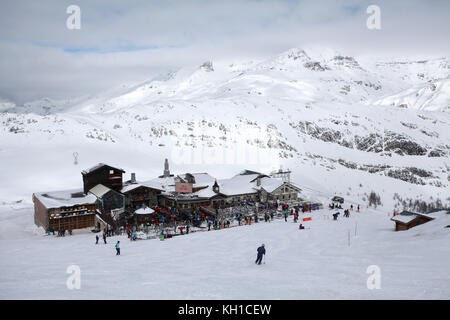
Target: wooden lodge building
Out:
[64,210]
[406,219]
[102,174]
[105,196]
[202,190]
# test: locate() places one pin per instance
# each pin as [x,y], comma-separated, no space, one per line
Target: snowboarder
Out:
[117,248]
[96,239]
[261,251]
[104,237]
[301,227]
[209,225]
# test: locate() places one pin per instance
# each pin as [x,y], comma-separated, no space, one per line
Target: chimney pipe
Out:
[133,177]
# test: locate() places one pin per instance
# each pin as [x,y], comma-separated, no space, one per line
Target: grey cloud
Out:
[33,37]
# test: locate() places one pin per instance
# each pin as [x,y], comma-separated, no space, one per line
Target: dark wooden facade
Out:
[418,220]
[110,201]
[191,202]
[64,218]
[103,174]
[139,196]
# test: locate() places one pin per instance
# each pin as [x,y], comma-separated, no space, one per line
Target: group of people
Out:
[60,233]
[98,238]
[104,236]
[346,212]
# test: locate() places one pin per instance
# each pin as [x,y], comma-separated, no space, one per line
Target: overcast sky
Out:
[132,41]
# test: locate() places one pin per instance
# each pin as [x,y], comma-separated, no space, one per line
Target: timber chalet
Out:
[105,197]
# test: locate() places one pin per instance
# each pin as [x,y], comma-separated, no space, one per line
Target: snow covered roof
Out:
[201,179]
[166,183]
[149,184]
[407,216]
[99,190]
[98,166]
[269,184]
[205,193]
[65,198]
[403,218]
[144,210]
[239,184]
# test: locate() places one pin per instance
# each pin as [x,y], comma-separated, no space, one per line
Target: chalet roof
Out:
[148,184]
[405,219]
[237,185]
[99,166]
[408,216]
[202,179]
[144,210]
[271,184]
[65,198]
[99,190]
[206,193]
[248,172]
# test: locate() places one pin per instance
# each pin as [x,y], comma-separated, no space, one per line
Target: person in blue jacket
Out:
[261,251]
[117,248]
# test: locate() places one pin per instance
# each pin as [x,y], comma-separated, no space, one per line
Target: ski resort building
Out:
[406,219]
[102,174]
[64,210]
[138,194]
[191,190]
[202,190]
[106,198]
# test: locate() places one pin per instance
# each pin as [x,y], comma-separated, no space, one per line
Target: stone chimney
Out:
[166,169]
[133,177]
[215,187]
[258,181]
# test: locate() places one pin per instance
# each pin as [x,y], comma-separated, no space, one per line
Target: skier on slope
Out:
[96,238]
[104,237]
[117,248]
[261,251]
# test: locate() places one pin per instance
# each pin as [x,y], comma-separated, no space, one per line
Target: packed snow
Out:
[328,260]
[343,125]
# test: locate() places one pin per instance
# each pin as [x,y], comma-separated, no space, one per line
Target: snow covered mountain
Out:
[344,125]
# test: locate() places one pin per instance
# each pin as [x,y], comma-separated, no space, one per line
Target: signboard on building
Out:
[183,187]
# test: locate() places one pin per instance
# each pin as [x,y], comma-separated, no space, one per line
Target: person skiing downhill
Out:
[96,239]
[117,248]
[261,251]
